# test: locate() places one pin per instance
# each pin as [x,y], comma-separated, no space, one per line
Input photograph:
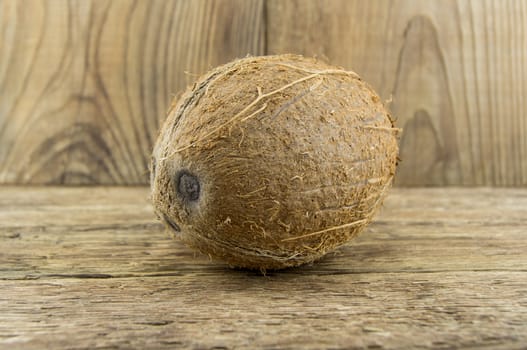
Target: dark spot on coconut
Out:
[187,186]
[153,171]
[171,223]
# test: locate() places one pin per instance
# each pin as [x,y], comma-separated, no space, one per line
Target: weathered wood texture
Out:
[457,72]
[85,268]
[84,84]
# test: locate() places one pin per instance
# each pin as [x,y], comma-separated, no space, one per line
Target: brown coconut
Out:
[269,162]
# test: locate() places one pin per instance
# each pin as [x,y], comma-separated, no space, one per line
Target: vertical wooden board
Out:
[456,71]
[85,84]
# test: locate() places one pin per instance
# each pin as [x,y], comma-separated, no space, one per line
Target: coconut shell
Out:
[270,162]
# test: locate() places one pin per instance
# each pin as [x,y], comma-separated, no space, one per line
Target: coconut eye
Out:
[187,186]
[153,163]
[171,223]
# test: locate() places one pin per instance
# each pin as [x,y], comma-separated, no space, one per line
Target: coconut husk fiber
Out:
[270,162]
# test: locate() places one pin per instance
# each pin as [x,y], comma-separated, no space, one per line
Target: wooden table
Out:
[87,268]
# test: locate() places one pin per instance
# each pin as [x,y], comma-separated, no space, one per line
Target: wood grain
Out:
[456,71]
[85,84]
[88,268]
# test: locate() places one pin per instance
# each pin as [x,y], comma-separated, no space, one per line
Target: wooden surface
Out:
[85,84]
[86,268]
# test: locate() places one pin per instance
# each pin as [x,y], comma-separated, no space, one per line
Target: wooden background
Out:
[84,85]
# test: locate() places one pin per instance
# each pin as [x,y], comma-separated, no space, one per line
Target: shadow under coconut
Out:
[372,252]
[363,255]
[318,278]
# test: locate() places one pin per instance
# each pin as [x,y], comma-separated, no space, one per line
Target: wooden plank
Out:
[82,231]
[85,84]
[232,310]
[456,71]
[92,268]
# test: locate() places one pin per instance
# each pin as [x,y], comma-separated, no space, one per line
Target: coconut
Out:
[270,162]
